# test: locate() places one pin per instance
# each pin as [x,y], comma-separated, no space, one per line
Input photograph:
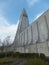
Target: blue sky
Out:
[10,11]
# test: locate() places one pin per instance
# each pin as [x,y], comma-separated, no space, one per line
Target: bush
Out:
[42,56]
[26,55]
[5,54]
[17,54]
[35,55]
[2,55]
[8,54]
[22,55]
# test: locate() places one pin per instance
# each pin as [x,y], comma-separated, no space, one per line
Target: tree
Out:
[6,41]
[0,42]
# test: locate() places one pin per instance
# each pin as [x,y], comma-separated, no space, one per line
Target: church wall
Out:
[42,27]
[18,49]
[26,49]
[32,48]
[48,46]
[43,48]
[47,17]
[47,20]
[15,49]
[26,38]
[34,33]
[18,39]
[22,50]
[22,38]
[35,38]
[29,35]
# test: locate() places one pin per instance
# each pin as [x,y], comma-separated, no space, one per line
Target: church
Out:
[32,38]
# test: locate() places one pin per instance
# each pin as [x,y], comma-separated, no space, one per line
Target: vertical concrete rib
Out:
[27,37]
[21,40]
[24,41]
[24,38]
[38,36]
[31,35]
[38,32]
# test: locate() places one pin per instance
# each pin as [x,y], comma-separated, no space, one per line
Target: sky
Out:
[10,11]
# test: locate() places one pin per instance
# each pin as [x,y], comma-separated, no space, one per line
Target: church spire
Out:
[23,22]
[24,12]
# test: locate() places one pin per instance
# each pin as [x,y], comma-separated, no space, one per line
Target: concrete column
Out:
[31,36]
[27,36]
[38,32]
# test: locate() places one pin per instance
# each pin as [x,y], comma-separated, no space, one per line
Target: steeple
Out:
[23,22]
[24,12]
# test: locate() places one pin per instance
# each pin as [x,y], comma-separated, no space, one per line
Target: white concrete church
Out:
[32,38]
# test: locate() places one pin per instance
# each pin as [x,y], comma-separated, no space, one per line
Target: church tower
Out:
[23,22]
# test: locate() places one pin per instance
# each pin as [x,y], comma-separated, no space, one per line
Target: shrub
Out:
[17,54]
[5,54]
[35,55]
[26,55]
[2,54]
[42,56]
[8,54]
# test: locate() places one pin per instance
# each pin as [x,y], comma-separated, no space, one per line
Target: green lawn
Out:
[4,61]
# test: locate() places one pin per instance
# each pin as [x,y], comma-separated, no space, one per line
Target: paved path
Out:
[20,62]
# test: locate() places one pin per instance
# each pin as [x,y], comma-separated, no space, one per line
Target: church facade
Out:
[32,38]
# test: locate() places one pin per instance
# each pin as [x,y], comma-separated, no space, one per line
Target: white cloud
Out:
[32,2]
[6,29]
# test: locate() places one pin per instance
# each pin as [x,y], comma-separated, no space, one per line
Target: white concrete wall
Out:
[22,38]
[22,49]
[25,36]
[42,27]
[38,34]
[18,39]
[48,46]
[32,48]
[26,49]
[29,35]
[43,48]
[34,32]
[47,18]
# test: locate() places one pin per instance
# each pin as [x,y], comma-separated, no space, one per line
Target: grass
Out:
[28,59]
[6,60]
[36,61]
